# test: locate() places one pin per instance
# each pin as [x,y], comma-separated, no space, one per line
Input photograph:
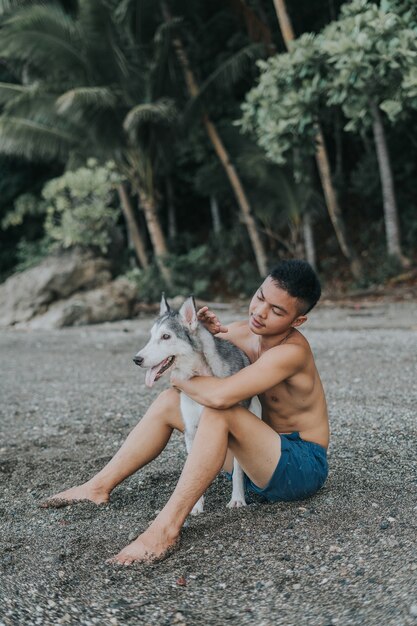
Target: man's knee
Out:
[224,416]
[166,409]
[169,398]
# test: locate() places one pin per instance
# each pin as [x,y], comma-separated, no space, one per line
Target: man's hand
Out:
[211,321]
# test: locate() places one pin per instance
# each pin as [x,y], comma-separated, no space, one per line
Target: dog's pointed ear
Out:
[188,313]
[164,306]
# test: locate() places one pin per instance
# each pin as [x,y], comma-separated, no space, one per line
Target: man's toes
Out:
[114,560]
[121,559]
[54,503]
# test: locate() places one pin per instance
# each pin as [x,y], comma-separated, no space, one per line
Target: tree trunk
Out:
[172,217]
[284,22]
[147,203]
[392,227]
[322,161]
[333,206]
[240,195]
[223,155]
[215,214]
[132,227]
[309,241]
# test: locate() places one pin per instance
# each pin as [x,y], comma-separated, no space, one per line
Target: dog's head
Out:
[171,339]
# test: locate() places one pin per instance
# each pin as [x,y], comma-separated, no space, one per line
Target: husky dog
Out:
[181,344]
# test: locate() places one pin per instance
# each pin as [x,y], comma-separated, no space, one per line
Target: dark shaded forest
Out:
[197,143]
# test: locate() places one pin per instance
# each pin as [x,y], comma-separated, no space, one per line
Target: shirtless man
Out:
[283,455]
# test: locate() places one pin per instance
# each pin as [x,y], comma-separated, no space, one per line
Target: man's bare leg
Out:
[257,448]
[144,443]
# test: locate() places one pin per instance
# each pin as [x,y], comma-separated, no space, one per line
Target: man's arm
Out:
[273,367]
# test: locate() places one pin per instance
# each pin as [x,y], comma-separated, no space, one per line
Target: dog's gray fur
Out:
[179,334]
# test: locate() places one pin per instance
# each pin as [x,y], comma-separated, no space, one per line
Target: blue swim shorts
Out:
[301,471]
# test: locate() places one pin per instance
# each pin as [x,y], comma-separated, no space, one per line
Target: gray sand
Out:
[345,556]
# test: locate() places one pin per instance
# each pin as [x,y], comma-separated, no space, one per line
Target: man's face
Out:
[272,310]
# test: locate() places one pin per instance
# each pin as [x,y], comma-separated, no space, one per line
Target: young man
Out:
[283,455]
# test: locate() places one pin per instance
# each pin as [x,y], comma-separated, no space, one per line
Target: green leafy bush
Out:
[220,266]
[25,205]
[79,207]
[30,253]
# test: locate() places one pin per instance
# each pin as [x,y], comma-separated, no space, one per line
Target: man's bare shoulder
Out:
[295,352]
[289,352]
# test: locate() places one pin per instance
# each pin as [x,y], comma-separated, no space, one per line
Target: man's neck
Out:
[265,343]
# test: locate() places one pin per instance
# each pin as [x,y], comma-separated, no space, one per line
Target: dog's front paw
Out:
[236,503]
[198,508]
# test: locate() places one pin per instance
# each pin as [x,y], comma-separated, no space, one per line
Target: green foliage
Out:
[220,266]
[79,207]
[368,55]
[189,275]
[371,55]
[378,268]
[89,86]
[283,109]
[406,8]
[30,253]
[25,205]
[102,80]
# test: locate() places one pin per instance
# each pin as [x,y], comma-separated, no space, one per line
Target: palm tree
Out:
[322,160]
[284,204]
[222,153]
[88,89]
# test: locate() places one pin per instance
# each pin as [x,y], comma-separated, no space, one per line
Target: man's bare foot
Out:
[84,492]
[152,545]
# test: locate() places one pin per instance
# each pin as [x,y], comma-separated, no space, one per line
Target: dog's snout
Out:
[138,360]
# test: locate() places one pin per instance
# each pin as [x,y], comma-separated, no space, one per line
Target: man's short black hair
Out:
[299,280]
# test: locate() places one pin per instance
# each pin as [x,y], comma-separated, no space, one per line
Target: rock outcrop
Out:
[63,290]
[113,301]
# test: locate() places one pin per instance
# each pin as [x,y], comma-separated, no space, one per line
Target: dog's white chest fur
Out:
[191,413]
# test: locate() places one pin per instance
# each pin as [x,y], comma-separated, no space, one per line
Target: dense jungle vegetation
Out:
[195,143]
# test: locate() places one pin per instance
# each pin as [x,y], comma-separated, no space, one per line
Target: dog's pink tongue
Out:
[151,375]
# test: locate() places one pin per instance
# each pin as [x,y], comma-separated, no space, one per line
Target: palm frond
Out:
[33,140]
[225,76]
[162,112]
[104,40]
[234,68]
[163,69]
[11,91]
[84,97]
[38,33]
[6,6]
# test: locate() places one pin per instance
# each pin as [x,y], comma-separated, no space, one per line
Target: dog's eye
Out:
[166,336]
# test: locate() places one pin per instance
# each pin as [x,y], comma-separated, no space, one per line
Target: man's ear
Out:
[164,306]
[299,320]
[188,313]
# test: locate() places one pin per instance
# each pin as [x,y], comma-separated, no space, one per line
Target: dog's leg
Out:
[238,493]
[255,407]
